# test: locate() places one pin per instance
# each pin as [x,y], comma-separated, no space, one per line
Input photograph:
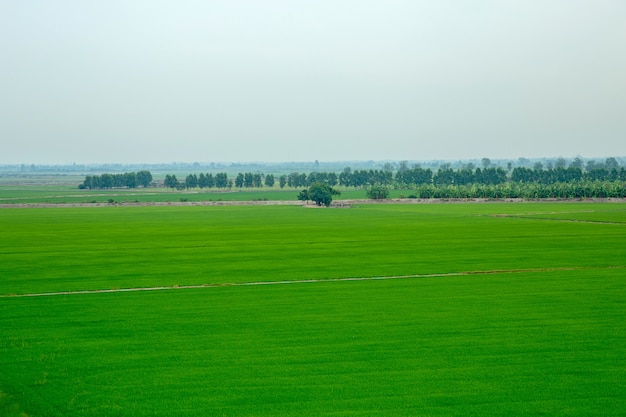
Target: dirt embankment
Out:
[334,204]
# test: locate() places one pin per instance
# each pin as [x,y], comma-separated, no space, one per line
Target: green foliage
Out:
[321,193]
[170,181]
[126,180]
[221,180]
[573,190]
[378,192]
[303,195]
[191,181]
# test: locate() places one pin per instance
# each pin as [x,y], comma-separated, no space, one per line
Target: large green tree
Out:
[321,194]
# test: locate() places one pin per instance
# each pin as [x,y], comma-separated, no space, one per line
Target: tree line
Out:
[125,180]
[535,190]
[574,181]
[219,180]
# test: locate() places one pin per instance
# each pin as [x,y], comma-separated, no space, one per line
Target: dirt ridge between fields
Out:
[310,281]
[334,204]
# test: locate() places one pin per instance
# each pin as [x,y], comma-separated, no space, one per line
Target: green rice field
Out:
[375,310]
[47,194]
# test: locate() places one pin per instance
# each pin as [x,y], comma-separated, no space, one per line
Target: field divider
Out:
[532,217]
[313,281]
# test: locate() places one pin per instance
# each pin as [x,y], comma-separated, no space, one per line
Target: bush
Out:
[378,192]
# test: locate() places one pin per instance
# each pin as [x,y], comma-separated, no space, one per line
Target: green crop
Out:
[532,325]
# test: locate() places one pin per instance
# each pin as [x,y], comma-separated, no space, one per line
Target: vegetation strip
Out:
[306,281]
[529,217]
[335,203]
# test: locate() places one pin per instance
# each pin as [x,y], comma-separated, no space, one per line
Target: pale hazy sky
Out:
[277,80]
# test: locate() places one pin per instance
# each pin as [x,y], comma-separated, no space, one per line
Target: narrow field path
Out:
[554,219]
[310,281]
[334,204]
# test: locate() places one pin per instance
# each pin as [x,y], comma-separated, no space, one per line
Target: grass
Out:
[118,247]
[54,194]
[67,194]
[482,345]
[528,343]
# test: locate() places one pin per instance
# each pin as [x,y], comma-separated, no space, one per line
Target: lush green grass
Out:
[70,194]
[118,247]
[549,342]
[516,344]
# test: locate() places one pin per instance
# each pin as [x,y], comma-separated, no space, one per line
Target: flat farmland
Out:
[51,194]
[471,309]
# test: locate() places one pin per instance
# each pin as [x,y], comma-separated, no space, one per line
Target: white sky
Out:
[277,80]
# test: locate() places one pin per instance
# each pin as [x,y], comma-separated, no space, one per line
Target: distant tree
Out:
[239,180]
[378,192]
[345,177]
[257,180]
[332,179]
[144,178]
[191,181]
[201,180]
[171,181]
[445,175]
[210,180]
[106,181]
[486,162]
[388,167]
[591,165]
[221,180]
[414,176]
[303,195]
[282,181]
[269,180]
[321,193]
[129,179]
[248,180]
[611,164]
[296,180]
[577,163]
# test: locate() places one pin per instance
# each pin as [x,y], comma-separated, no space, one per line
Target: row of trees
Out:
[486,176]
[219,180]
[322,194]
[254,180]
[406,178]
[579,189]
[571,174]
[466,182]
[125,180]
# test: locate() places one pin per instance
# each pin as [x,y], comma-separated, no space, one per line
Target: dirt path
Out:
[334,204]
[554,219]
[308,281]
